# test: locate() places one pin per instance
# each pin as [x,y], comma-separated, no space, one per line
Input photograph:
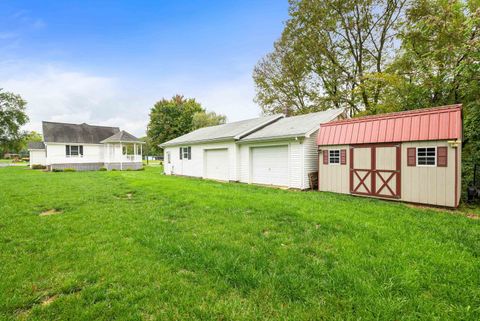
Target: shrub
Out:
[114,169]
[69,170]
[141,169]
[102,169]
[128,169]
[38,166]
[57,170]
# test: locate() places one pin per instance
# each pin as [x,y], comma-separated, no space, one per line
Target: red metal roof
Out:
[438,123]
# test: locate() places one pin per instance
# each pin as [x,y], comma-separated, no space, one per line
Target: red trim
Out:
[399,169]
[351,169]
[442,156]
[374,168]
[343,156]
[373,172]
[456,177]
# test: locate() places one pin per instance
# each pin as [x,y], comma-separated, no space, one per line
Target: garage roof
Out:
[234,131]
[438,123]
[295,126]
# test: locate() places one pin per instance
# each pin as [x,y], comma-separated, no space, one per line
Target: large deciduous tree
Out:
[327,52]
[170,118]
[205,119]
[12,118]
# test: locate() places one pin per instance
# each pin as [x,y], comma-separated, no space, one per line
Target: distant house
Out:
[272,150]
[412,156]
[86,147]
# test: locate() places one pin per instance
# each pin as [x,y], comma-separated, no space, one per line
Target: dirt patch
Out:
[473,216]
[129,196]
[52,211]
[432,208]
[48,300]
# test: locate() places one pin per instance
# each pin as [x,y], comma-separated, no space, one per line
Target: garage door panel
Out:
[270,165]
[216,164]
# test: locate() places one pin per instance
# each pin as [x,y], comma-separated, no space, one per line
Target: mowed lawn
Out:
[144,246]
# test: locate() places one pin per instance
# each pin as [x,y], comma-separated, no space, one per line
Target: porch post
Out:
[121,157]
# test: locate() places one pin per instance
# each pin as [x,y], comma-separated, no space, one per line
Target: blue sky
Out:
[107,62]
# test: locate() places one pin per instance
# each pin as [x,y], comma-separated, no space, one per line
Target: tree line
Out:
[376,56]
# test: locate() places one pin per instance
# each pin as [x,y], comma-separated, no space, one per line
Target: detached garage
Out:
[412,156]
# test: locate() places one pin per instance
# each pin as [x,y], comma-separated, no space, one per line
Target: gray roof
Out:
[295,126]
[76,133]
[122,137]
[235,130]
[36,145]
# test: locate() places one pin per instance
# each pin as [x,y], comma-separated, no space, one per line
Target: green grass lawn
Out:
[138,245]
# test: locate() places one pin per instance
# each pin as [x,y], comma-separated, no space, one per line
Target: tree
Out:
[12,118]
[439,63]
[21,146]
[327,50]
[170,119]
[205,119]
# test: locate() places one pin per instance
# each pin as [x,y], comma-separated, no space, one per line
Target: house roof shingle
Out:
[76,133]
[36,145]
[235,130]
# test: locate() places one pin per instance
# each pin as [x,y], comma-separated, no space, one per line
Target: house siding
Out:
[194,167]
[310,151]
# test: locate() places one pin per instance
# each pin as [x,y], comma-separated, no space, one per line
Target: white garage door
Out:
[270,165]
[216,164]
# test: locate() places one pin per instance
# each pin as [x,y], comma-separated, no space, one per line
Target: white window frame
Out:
[186,154]
[78,151]
[434,157]
[330,157]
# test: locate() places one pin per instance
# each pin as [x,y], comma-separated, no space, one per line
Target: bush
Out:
[128,169]
[114,169]
[69,170]
[38,166]
[102,169]
[141,169]
[57,170]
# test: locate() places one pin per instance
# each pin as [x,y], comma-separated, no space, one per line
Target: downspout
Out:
[121,156]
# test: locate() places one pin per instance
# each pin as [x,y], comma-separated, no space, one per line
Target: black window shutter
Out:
[67,150]
[189,152]
[81,150]
[181,156]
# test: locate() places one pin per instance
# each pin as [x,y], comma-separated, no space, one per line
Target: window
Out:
[185,152]
[168,158]
[334,156]
[426,156]
[74,150]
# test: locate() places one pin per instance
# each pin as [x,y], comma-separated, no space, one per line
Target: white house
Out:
[86,147]
[273,150]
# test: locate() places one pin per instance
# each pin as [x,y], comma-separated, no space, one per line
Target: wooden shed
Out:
[412,156]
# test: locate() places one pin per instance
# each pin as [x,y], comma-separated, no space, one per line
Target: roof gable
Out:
[295,126]
[76,133]
[233,131]
[121,137]
[438,123]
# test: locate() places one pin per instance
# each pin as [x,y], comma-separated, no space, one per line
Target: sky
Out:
[108,62]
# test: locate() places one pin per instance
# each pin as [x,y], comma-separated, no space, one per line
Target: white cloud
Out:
[57,93]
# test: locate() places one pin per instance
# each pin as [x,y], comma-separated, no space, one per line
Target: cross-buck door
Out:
[375,170]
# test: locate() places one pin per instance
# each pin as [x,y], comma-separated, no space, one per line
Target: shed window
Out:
[334,156]
[426,156]
[74,150]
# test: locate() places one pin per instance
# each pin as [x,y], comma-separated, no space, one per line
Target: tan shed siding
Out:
[429,185]
[459,174]
[334,178]
[310,151]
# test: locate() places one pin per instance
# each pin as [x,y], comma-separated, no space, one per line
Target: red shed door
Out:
[375,170]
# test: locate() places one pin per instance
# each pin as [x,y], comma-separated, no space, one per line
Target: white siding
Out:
[195,166]
[92,153]
[310,151]
[295,160]
[37,157]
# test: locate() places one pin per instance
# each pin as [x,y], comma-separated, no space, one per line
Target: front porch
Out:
[123,151]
